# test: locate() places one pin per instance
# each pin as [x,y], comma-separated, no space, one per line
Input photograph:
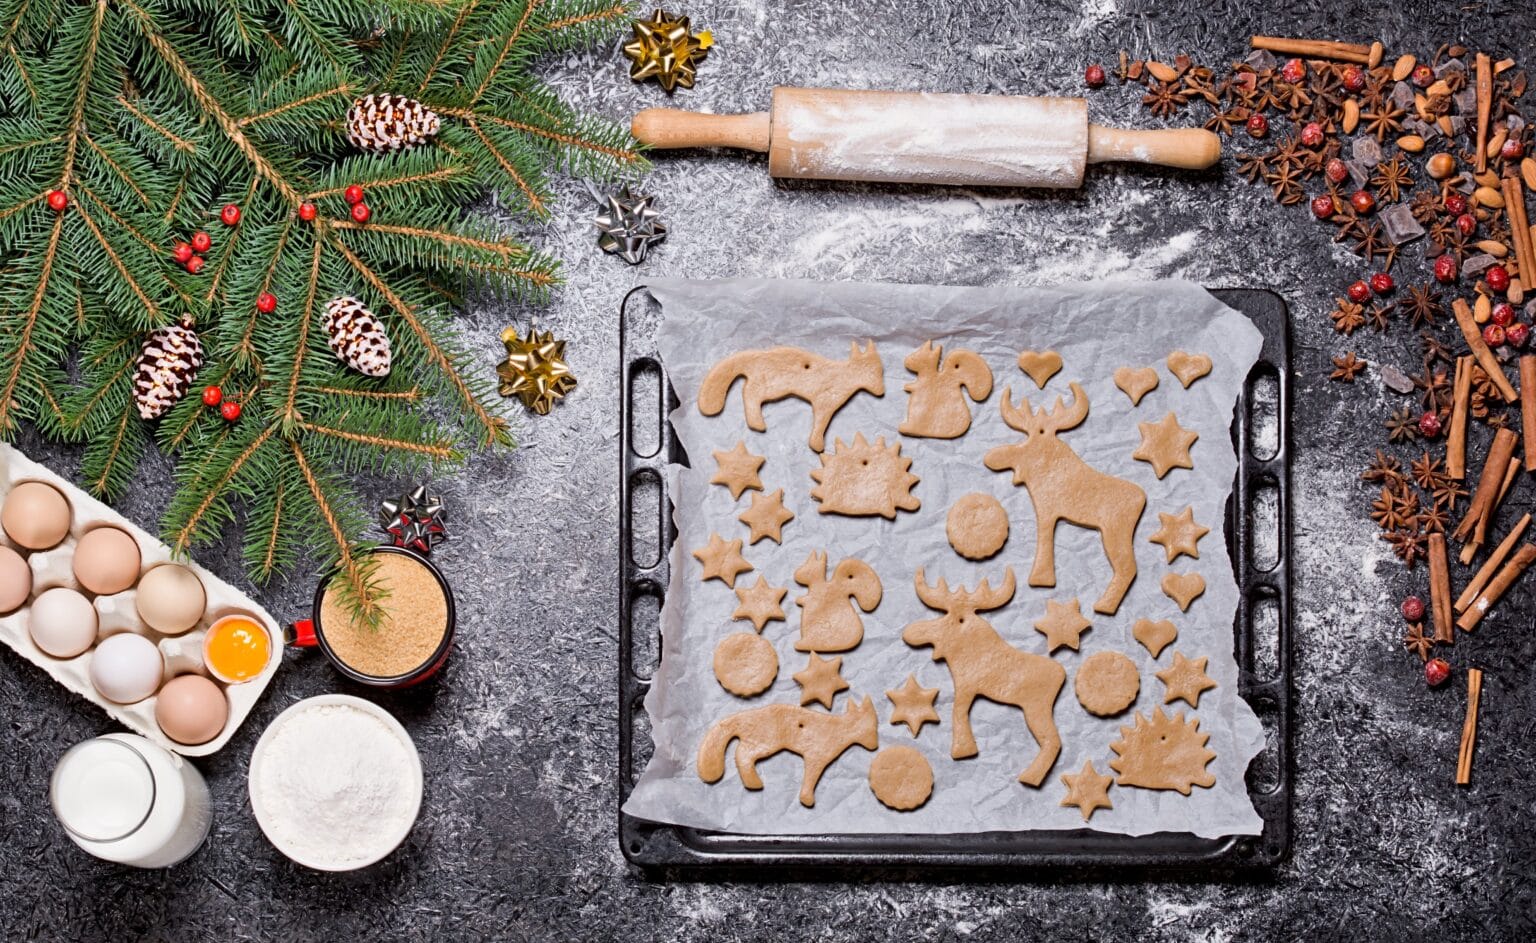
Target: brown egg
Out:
[191,709]
[106,561]
[35,515]
[171,599]
[15,580]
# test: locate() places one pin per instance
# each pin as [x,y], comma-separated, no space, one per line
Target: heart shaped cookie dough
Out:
[1136,382]
[1040,366]
[1183,588]
[1155,636]
[1188,367]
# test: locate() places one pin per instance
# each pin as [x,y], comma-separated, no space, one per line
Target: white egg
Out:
[62,622]
[126,668]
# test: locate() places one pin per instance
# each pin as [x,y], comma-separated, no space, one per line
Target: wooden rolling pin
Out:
[920,137]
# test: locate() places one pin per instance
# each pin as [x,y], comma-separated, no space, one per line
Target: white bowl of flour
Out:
[335,783]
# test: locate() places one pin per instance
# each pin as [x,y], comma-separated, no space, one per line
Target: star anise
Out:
[1197,84]
[1497,421]
[1380,315]
[1423,305]
[1253,167]
[1382,118]
[1391,509]
[1427,471]
[1372,243]
[1403,426]
[1417,642]
[1284,183]
[1222,121]
[1452,243]
[1426,206]
[1433,519]
[1347,317]
[1434,387]
[1324,78]
[1391,179]
[1345,366]
[1384,470]
[1483,383]
[1434,349]
[1446,492]
[1409,545]
[1477,404]
[1350,224]
[1498,228]
[1164,99]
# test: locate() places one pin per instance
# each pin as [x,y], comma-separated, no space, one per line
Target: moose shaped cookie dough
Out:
[1064,487]
[781,372]
[936,406]
[981,664]
[829,623]
[816,736]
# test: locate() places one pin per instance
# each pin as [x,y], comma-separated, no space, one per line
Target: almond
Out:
[1351,116]
[1482,309]
[1528,172]
[1488,196]
[1496,142]
[1403,67]
[1411,143]
[1377,52]
[1161,72]
[1493,247]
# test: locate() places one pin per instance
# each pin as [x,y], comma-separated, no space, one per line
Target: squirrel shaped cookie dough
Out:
[781,372]
[816,736]
[937,407]
[829,622]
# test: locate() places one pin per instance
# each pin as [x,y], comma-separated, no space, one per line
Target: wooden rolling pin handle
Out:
[1190,148]
[668,128]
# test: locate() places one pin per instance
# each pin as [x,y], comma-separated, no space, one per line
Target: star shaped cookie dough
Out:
[1185,679]
[1179,533]
[820,680]
[1063,624]
[912,704]
[761,603]
[738,470]
[722,560]
[767,517]
[1087,790]
[1165,444]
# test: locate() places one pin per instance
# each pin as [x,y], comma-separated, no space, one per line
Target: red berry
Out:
[201,242]
[361,212]
[1497,277]
[1466,224]
[307,211]
[1258,126]
[1359,293]
[1513,149]
[1293,71]
[266,302]
[1382,283]
[1354,79]
[1445,269]
[1503,315]
[230,410]
[1094,76]
[1429,424]
[196,263]
[230,214]
[1362,201]
[1423,76]
[354,194]
[1455,203]
[1517,334]
[58,201]
[212,395]
[1336,170]
[1312,134]
[182,253]
[1493,335]
[1322,206]
[1436,670]
[1413,609]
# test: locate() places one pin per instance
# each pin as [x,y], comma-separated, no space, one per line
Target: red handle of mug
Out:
[302,634]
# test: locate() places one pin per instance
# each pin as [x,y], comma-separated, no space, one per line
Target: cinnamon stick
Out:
[1440,589]
[1456,439]
[1484,88]
[1494,561]
[1480,534]
[1519,226]
[1528,407]
[1315,48]
[1469,727]
[1488,484]
[1485,358]
[1497,587]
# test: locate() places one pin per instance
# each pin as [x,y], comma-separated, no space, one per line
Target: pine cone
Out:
[357,337]
[168,363]
[386,123]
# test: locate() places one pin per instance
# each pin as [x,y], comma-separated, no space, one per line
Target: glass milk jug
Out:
[125,799]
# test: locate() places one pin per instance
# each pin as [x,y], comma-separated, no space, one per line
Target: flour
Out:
[336,786]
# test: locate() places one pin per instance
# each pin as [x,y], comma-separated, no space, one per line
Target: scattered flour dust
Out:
[337,786]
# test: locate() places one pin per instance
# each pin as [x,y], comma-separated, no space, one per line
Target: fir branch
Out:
[507,45]
[507,167]
[82,95]
[342,89]
[186,533]
[17,361]
[618,11]
[412,395]
[357,583]
[118,264]
[442,449]
[306,318]
[449,37]
[176,141]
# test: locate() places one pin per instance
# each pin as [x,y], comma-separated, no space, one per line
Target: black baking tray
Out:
[1258,539]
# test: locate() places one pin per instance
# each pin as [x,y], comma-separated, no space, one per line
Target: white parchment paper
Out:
[1095,329]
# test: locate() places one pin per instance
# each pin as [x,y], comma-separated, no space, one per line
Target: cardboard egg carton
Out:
[116,613]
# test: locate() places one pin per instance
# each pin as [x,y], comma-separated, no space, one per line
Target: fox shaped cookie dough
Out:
[781,372]
[817,737]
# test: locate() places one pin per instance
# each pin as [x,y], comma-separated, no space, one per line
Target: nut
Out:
[1351,116]
[1482,309]
[1488,196]
[1403,67]
[1377,51]
[1411,143]
[1496,142]
[1441,166]
[1528,172]
[1161,72]
[1493,247]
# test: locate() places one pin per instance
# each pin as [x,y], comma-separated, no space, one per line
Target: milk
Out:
[125,799]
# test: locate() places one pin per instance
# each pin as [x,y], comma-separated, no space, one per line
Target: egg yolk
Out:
[237,649]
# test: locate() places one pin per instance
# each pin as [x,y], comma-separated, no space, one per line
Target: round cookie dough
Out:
[745,663]
[901,778]
[977,526]
[1107,683]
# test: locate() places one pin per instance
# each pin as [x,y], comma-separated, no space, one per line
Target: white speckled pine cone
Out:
[168,363]
[386,123]
[357,337]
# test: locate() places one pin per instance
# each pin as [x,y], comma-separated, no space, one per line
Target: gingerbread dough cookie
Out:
[1179,534]
[912,704]
[864,480]
[745,663]
[977,526]
[1162,752]
[1136,382]
[781,372]
[722,560]
[936,404]
[1063,624]
[762,603]
[767,517]
[1107,683]
[1183,588]
[901,778]
[1165,445]
[1087,790]
[817,737]
[737,470]
[1185,680]
[829,622]
[1188,367]
[820,680]
[1040,366]
[1154,636]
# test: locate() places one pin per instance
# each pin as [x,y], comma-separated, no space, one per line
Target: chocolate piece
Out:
[1402,96]
[1359,173]
[1476,265]
[1261,60]
[1367,151]
[1400,226]
[1395,379]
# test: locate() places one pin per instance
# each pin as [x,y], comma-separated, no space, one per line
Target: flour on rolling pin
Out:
[917,137]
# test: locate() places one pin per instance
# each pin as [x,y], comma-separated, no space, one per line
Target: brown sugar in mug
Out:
[413,638]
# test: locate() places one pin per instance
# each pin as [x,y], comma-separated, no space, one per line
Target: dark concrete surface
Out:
[517,836]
